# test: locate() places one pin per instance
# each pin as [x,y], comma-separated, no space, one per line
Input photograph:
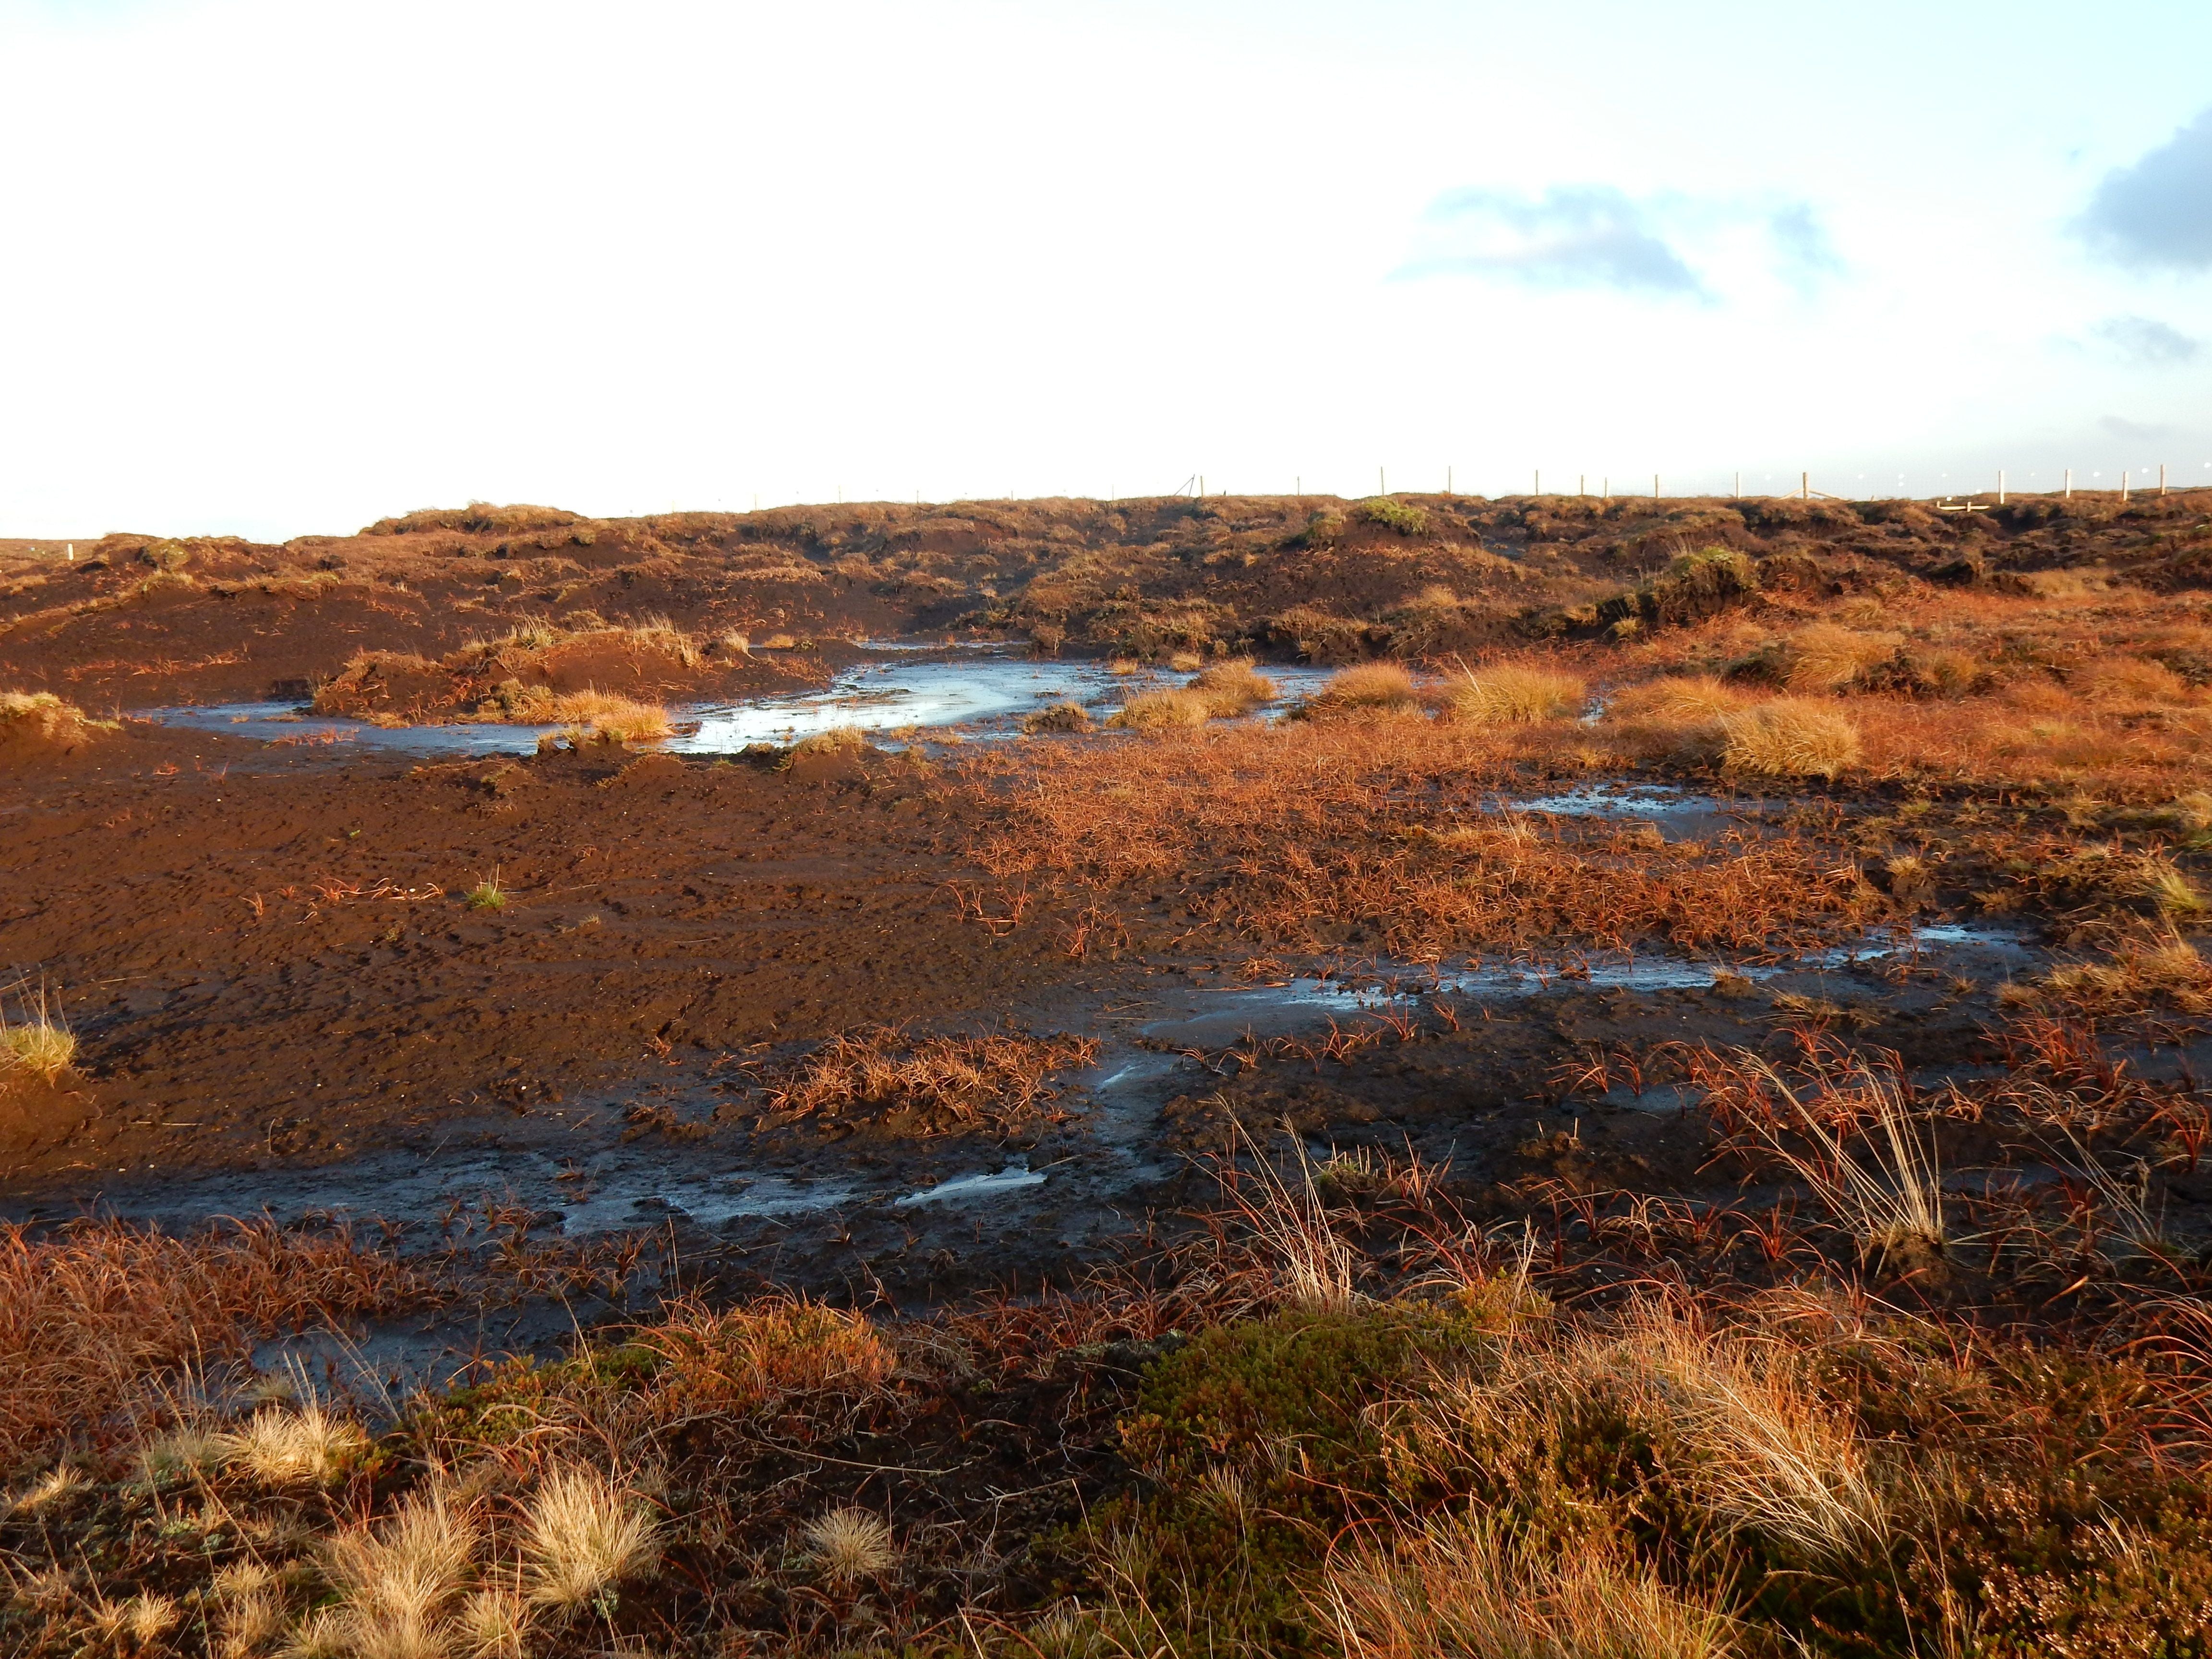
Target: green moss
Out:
[1394,515]
[1262,1441]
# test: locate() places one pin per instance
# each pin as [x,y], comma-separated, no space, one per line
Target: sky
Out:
[276,269]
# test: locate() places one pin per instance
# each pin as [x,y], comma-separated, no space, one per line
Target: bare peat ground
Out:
[1676,1129]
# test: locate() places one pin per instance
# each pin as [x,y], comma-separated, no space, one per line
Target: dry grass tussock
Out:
[1848,1125]
[604,716]
[2139,976]
[1460,1587]
[1827,658]
[39,1040]
[1066,716]
[1233,688]
[397,1581]
[838,740]
[1678,700]
[1367,687]
[1309,1264]
[1511,694]
[1789,738]
[1224,691]
[93,1318]
[282,1446]
[957,1081]
[851,1546]
[1146,711]
[1736,1416]
[745,1359]
[584,1534]
[41,719]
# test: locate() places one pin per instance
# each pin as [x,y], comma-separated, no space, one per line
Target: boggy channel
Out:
[255,925]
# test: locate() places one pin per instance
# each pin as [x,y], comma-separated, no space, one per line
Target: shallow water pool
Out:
[982,692]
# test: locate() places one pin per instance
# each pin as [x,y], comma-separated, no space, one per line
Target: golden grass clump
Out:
[611,717]
[491,1624]
[838,740]
[249,1621]
[56,1486]
[658,634]
[1515,694]
[745,1358]
[2137,977]
[140,1621]
[1367,687]
[2170,888]
[849,1545]
[1734,1417]
[1827,658]
[40,1043]
[1763,1451]
[281,1447]
[1462,1587]
[1789,738]
[41,719]
[1676,699]
[396,1581]
[95,1321]
[2123,679]
[1233,688]
[583,1535]
[1147,711]
[997,1077]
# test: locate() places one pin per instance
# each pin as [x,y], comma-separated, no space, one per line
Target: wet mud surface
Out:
[260,928]
[285,1004]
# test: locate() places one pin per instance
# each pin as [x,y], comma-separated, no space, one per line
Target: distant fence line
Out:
[1196,487]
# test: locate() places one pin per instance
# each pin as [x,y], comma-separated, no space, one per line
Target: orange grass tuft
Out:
[96,1319]
[1312,833]
[744,1359]
[1366,686]
[997,1078]
[1513,694]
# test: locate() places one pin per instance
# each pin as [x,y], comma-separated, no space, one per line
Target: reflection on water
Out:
[1219,1018]
[288,723]
[1639,800]
[983,691]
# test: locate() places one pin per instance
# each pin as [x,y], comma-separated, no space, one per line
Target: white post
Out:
[1448,488]
[1739,487]
[1381,488]
[1298,487]
[1804,486]
[1540,482]
[1654,486]
[2069,483]
[2161,477]
[72,553]
[2001,488]
[2124,484]
[1582,483]
[1605,489]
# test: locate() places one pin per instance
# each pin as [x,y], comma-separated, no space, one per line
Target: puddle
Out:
[616,1204]
[1015,1175]
[983,690]
[286,723]
[1217,1018]
[1594,800]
